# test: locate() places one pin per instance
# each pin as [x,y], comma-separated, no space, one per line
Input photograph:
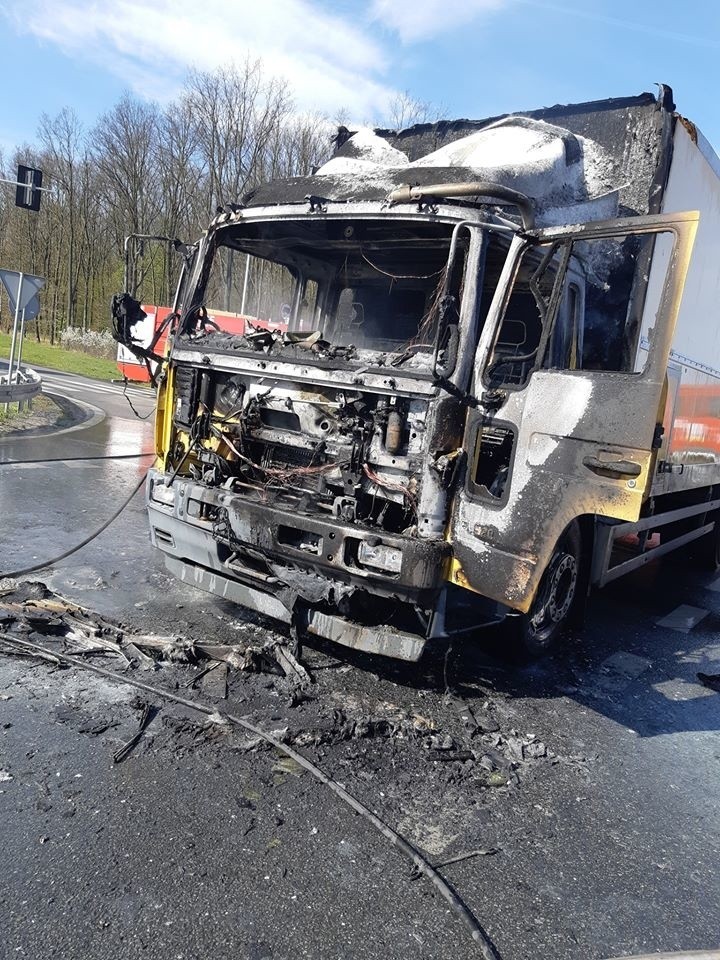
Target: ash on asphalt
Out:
[204,842]
[456,743]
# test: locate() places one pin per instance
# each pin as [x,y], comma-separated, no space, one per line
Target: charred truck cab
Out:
[446,405]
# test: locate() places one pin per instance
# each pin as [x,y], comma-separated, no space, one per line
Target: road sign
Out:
[22,290]
[29,186]
[32,309]
[26,284]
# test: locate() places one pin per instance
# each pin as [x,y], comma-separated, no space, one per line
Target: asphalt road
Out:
[113,399]
[197,847]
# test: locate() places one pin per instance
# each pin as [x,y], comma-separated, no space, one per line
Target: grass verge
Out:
[58,358]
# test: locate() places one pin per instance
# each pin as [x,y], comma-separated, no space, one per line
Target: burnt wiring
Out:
[207,425]
[401,276]
[230,458]
[228,416]
[426,324]
[283,473]
[198,432]
[389,485]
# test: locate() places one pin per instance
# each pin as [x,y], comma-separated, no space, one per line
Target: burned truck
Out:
[479,375]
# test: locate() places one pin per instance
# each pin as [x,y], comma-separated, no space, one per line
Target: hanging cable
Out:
[132,407]
[13,574]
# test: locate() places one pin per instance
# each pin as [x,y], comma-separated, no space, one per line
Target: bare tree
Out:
[124,147]
[143,169]
[62,140]
[237,111]
[405,110]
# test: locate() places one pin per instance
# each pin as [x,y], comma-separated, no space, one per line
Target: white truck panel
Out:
[694,184]
[692,425]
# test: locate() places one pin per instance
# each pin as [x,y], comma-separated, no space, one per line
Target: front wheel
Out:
[557,599]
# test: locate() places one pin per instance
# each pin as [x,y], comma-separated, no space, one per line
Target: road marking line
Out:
[683,618]
[100,388]
[715,585]
[93,385]
[69,381]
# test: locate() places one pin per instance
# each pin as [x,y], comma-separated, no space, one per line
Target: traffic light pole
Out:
[28,192]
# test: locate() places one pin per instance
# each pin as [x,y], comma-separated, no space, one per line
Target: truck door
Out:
[569,381]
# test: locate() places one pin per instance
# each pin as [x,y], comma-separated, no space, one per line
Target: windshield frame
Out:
[365,359]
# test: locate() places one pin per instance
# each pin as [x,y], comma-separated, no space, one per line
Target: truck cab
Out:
[438,396]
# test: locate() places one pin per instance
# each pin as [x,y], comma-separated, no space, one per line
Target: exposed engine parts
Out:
[393,432]
[356,456]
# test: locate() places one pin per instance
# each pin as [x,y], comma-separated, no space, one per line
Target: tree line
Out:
[150,169]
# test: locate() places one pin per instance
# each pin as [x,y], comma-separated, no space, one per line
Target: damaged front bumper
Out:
[295,568]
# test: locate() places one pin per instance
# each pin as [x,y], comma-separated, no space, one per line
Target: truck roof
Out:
[582,161]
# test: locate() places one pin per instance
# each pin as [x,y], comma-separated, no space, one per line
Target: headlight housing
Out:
[160,493]
[379,556]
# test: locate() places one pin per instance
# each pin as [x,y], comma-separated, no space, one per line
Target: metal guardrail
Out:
[27,386]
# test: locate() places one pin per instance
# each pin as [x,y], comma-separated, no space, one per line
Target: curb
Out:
[85,414]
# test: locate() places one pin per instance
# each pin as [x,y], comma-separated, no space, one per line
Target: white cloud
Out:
[328,62]
[417,20]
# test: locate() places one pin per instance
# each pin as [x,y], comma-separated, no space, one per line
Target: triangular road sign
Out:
[31,286]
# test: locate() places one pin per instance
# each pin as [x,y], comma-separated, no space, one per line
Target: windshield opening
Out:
[359,285]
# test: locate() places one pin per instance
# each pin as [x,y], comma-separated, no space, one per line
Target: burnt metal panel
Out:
[381,639]
[635,132]
[568,422]
[337,189]
[424,138]
[257,525]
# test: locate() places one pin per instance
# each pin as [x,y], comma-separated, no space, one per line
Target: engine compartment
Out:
[344,453]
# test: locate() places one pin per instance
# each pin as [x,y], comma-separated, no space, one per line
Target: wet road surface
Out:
[113,399]
[196,847]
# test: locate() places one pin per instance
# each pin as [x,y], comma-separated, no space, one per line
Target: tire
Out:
[556,602]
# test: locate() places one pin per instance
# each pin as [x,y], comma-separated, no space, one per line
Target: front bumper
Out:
[325,549]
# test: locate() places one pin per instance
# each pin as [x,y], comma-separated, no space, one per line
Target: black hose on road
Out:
[397,840]
[68,553]
[106,456]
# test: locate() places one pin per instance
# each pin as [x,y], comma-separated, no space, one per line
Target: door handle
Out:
[626,468]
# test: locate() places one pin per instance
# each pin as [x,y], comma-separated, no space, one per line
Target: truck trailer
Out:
[483,379]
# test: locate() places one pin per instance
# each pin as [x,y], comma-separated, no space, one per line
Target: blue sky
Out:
[475,57]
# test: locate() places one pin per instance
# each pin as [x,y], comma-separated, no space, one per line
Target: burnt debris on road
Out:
[460,755]
[37,623]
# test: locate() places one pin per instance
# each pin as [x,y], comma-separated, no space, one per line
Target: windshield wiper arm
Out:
[406,354]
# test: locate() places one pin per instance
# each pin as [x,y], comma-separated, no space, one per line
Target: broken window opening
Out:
[526,317]
[493,459]
[579,305]
[372,285]
[241,285]
[608,291]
